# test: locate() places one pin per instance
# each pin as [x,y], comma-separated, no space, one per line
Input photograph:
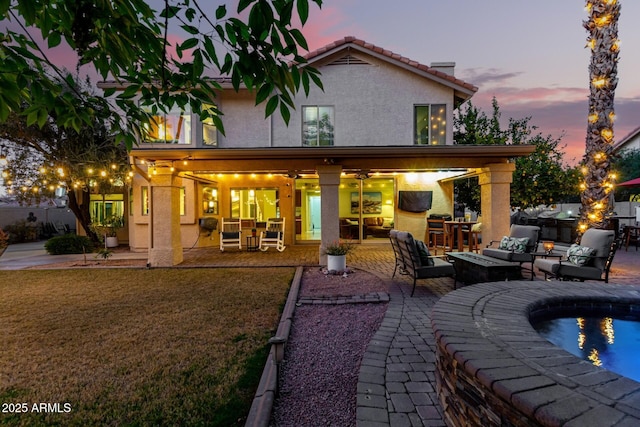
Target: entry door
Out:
[314,215]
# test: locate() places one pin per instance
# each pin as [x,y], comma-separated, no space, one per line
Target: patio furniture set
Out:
[271,237]
[505,260]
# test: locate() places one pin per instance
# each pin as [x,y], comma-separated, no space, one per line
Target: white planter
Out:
[336,262]
[111,242]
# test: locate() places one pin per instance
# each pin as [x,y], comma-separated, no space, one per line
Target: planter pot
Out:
[336,262]
[111,242]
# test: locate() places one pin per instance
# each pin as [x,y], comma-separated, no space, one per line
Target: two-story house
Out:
[373,150]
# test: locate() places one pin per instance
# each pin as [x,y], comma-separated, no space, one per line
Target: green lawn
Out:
[136,347]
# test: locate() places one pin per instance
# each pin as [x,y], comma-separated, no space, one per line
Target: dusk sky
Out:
[530,55]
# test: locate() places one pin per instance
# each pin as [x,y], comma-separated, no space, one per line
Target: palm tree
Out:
[597,188]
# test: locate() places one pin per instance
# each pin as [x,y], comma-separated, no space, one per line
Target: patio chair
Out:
[273,235]
[420,266]
[590,260]
[393,237]
[436,234]
[230,233]
[517,247]
[631,235]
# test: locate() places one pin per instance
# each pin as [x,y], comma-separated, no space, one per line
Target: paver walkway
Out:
[397,377]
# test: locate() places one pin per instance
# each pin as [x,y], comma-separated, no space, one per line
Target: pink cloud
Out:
[324,25]
[560,112]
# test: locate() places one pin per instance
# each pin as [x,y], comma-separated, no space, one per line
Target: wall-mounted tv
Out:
[414,201]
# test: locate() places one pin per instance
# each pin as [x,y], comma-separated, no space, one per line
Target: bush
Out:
[22,231]
[4,240]
[69,244]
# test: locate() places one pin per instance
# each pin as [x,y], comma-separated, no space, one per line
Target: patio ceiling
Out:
[282,159]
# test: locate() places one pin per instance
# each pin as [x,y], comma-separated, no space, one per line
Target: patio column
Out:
[329,176]
[495,194]
[165,247]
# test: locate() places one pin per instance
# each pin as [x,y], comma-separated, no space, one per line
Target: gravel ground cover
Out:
[319,375]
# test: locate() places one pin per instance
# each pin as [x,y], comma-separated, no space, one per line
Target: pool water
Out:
[610,343]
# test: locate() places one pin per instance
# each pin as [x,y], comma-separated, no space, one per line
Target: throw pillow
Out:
[423,253]
[477,227]
[579,255]
[514,244]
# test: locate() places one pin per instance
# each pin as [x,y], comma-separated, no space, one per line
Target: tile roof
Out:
[631,135]
[336,45]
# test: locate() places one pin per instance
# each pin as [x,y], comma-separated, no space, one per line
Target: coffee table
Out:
[475,268]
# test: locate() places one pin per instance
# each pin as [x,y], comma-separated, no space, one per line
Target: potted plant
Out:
[109,229]
[337,255]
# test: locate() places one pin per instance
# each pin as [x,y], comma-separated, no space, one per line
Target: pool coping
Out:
[483,333]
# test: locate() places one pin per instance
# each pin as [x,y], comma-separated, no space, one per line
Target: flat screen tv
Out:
[414,201]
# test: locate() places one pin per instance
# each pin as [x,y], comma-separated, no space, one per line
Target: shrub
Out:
[69,244]
[22,231]
[4,240]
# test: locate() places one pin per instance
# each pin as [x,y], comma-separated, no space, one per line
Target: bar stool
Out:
[473,236]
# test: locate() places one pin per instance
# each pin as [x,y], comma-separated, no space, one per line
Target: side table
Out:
[252,243]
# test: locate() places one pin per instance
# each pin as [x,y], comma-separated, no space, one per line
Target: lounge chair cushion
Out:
[568,269]
[515,244]
[423,253]
[230,234]
[272,234]
[600,241]
[580,255]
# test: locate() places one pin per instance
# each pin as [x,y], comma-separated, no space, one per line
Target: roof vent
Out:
[445,67]
[349,60]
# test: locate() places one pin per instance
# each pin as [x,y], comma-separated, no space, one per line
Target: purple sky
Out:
[529,55]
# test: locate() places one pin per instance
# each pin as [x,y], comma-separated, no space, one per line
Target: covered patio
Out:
[164,171]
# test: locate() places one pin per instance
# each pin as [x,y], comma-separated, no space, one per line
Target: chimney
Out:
[445,67]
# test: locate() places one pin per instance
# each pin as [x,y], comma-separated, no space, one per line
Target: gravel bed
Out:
[319,375]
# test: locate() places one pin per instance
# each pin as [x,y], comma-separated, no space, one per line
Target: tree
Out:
[128,41]
[45,158]
[539,179]
[627,167]
[597,196]
[542,178]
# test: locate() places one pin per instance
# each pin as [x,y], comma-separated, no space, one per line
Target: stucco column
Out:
[165,247]
[329,200]
[495,194]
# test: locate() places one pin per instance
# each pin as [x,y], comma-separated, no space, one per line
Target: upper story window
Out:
[209,129]
[317,125]
[430,124]
[171,128]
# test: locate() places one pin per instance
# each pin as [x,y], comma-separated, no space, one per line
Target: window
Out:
[183,201]
[258,204]
[317,126]
[210,200]
[430,124]
[105,207]
[145,200]
[209,129]
[171,128]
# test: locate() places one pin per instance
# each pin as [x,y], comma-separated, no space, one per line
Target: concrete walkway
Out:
[397,377]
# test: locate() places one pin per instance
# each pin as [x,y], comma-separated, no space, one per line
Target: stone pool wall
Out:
[494,369]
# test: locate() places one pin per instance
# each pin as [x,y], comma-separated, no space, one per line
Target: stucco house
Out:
[353,156]
[629,142]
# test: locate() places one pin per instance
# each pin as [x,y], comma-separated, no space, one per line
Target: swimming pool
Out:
[608,342]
